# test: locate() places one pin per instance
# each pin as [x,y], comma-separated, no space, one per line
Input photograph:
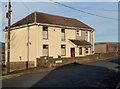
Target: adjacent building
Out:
[39,34]
[2,52]
[106,47]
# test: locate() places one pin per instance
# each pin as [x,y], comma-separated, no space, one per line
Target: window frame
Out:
[45,30]
[47,49]
[88,51]
[78,32]
[64,49]
[62,32]
[80,51]
[87,36]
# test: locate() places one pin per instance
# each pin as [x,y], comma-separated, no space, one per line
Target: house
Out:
[2,52]
[106,47]
[39,34]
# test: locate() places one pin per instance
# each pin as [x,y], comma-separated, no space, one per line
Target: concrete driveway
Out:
[100,75]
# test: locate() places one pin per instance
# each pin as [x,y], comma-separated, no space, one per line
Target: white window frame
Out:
[47,48]
[78,32]
[88,51]
[80,51]
[45,30]
[63,47]
[87,36]
[63,35]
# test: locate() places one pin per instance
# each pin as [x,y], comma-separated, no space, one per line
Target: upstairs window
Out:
[78,32]
[45,32]
[63,50]
[63,34]
[87,36]
[45,50]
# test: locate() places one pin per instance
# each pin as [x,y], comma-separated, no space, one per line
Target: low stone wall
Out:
[41,61]
[20,65]
[53,62]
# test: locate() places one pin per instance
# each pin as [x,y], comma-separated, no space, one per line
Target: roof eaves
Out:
[45,24]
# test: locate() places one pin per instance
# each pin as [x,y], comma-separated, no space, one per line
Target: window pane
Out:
[45,28]
[87,50]
[63,30]
[87,36]
[77,33]
[63,36]
[45,32]
[45,50]
[63,50]
[80,51]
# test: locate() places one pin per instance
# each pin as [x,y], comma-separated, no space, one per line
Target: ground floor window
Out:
[80,51]
[45,50]
[87,51]
[63,50]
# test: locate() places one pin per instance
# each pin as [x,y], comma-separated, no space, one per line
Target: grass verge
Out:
[16,71]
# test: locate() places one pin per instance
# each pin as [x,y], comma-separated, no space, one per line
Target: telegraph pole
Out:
[8,36]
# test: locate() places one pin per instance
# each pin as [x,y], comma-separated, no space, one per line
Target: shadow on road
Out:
[117,61]
[80,76]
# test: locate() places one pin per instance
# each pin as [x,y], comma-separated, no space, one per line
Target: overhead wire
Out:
[83,11]
[3,18]
[26,6]
[91,8]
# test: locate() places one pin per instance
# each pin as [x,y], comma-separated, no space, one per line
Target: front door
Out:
[72,52]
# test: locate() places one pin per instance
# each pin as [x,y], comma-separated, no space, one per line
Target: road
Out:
[101,75]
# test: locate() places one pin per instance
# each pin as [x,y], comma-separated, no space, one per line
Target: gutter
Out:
[86,46]
[44,24]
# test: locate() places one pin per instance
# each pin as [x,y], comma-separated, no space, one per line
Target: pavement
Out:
[96,75]
[28,71]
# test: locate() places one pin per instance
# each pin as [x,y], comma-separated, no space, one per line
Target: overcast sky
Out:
[106,29]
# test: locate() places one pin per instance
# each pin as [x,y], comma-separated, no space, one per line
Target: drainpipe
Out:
[93,43]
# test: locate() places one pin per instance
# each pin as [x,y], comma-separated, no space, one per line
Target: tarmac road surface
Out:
[101,75]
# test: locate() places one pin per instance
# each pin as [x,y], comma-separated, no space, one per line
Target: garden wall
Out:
[53,62]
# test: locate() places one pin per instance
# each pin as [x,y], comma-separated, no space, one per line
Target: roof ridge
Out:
[53,15]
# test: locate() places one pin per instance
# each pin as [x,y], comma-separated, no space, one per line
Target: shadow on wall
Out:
[80,76]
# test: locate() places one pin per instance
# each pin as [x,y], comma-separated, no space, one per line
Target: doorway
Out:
[72,52]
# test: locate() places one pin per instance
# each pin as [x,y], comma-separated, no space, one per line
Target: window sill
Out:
[63,40]
[45,38]
[63,55]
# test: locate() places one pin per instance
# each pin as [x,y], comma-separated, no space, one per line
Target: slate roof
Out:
[80,42]
[39,17]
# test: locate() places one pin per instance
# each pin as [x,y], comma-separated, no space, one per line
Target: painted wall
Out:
[19,39]
[91,39]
